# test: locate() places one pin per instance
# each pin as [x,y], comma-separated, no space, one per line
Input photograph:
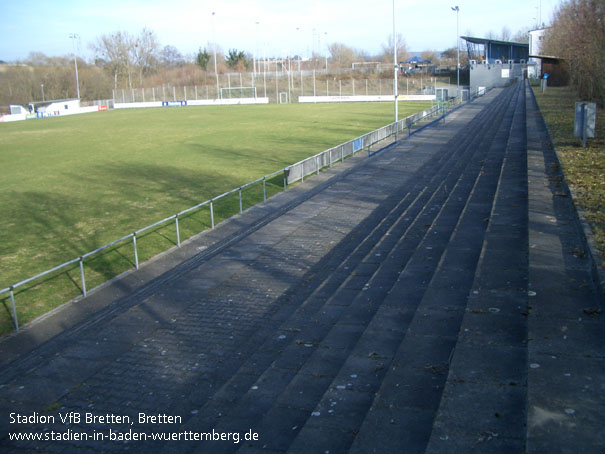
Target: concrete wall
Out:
[200,102]
[32,116]
[377,98]
[494,75]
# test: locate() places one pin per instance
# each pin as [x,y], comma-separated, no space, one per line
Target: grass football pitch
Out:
[72,184]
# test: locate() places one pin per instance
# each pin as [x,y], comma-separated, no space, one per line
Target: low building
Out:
[56,107]
[536,44]
[495,63]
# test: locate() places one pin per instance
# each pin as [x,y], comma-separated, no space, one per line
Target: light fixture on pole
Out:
[73,37]
[396,69]
[455,8]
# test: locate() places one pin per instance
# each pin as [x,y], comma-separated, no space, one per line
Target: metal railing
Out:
[325,159]
[291,174]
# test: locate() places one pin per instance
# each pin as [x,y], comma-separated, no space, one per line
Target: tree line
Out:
[123,60]
[577,35]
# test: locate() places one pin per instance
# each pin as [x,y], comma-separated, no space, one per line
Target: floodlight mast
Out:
[395,63]
[455,8]
[73,37]
[256,50]
[214,39]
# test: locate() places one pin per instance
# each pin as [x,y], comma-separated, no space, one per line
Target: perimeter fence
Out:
[233,202]
[294,83]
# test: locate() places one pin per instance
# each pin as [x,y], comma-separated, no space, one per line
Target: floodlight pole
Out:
[256,49]
[215,70]
[540,15]
[73,37]
[396,65]
[299,55]
[327,50]
[457,9]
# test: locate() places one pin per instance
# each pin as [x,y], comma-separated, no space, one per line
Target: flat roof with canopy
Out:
[490,50]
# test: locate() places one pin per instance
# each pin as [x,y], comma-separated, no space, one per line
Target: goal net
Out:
[238,92]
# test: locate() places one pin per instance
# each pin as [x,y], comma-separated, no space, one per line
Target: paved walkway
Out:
[430,298]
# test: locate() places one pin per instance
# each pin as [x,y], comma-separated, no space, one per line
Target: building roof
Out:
[51,101]
[546,57]
[416,59]
[491,50]
[473,40]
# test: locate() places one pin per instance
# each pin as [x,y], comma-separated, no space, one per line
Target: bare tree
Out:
[430,55]
[522,36]
[124,54]
[170,56]
[578,36]
[114,49]
[505,35]
[37,59]
[387,49]
[342,55]
[145,52]
[491,35]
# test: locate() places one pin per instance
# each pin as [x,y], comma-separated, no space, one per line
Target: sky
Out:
[261,27]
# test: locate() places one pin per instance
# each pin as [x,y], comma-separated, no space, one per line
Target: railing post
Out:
[178,234]
[302,172]
[82,276]
[240,200]
[15,321]
[330,153]
[285,180]
[211,215]
[264,189]
[317,165]
[342,154]
[136,254]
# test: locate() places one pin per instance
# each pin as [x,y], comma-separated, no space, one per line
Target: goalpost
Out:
[283,97]
[238,92]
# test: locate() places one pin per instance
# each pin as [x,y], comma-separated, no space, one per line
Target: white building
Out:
[536,42]
[56,108]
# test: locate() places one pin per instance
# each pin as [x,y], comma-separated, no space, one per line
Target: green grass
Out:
[584,168]
[72,184]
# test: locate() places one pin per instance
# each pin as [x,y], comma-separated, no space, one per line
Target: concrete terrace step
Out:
[172,344]
[405,405]
[364,357]
[363,330]
[312,325]
[381,306]
[484,404]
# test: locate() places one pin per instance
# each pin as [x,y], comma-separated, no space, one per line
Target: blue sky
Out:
[283,27]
